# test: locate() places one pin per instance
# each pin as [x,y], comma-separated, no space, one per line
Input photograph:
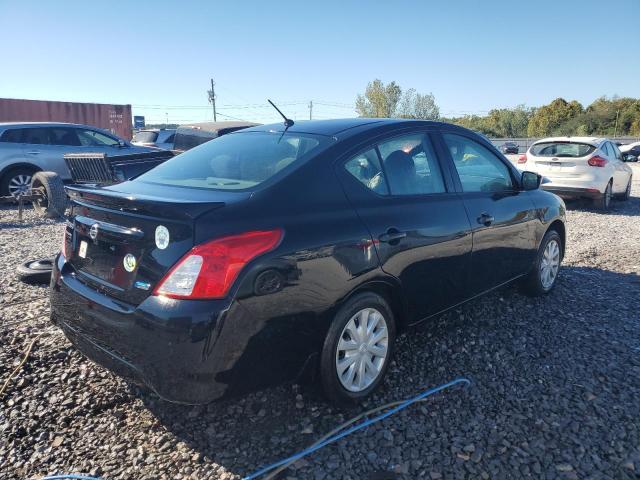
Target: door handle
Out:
[392,235]
[34,152]
[485,219]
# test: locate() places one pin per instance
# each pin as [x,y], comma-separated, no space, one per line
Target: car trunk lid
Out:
[122,243]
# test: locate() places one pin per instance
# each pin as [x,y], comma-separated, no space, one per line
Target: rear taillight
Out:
[209,269]
[522,158]
[597,161]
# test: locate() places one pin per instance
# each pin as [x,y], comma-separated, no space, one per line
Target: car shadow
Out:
[240,435]
[629,207]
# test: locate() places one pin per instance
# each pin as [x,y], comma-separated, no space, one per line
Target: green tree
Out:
[379,100]
[388,101]
[416,105]
[549,119]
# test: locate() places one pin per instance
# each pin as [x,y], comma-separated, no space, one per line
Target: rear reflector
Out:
[597,161]
[209,269]
[522,158]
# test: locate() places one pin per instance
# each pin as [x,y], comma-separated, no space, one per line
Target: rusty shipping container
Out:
[114,118]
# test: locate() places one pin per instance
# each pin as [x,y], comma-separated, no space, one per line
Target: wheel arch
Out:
[16,165]
[388,288]
[559,226]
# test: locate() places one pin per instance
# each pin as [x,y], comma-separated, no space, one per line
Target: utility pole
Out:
[615,131]
[212,99]
[310,109]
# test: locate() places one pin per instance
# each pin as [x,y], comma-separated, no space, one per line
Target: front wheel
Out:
[357,349]
[542,277]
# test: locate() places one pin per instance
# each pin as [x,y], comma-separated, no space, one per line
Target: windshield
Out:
[562,149]
[237,161]
[145,137]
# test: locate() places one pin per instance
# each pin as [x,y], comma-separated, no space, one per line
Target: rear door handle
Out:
[485,219]
[392,236]
[34,152]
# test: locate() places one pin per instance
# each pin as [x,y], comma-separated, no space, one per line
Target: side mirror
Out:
[530,181]
[628,157]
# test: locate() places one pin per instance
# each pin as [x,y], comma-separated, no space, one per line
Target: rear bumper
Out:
[183,350]
[573,192]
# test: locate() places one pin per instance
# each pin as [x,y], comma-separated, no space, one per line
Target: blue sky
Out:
[472,55]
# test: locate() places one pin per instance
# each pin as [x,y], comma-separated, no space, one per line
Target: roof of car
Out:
[591,140]
[334,127]
[44,124]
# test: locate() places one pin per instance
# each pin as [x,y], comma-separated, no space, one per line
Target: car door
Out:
[502,216]
[622,172]
[40,150]
[418,223]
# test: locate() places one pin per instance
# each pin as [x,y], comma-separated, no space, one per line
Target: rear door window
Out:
[65,137]
[479,169]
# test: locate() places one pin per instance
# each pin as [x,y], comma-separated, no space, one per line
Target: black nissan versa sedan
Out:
[279,250]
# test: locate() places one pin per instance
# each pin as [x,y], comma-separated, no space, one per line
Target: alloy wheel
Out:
[362,350]
[550,264]
[20,185]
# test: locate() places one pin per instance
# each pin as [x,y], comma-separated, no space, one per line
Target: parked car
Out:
[631,151]
[580,167]
[189,136]
[156,137]
[510,148]
[26,148]
[275,252]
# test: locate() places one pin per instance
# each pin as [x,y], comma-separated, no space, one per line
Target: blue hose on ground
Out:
[349,431]
[70,476]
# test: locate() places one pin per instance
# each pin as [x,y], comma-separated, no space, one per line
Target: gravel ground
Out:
[555,389]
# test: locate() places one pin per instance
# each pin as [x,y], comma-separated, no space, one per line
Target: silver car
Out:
[26,148]
[160,138]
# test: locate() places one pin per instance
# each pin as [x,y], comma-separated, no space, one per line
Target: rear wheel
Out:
[357,349]
[604,202]
[16,182]
[542,277]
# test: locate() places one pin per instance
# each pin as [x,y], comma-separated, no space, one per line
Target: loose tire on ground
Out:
[533,284]
[36,271]
[54,200]
[332,385]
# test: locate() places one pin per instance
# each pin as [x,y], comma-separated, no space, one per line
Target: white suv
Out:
[580,167]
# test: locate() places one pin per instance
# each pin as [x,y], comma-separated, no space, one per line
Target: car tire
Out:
[604,201]
[626,195]
[14,178]
[360,348]
[54,200]
[535,283]
[36,271]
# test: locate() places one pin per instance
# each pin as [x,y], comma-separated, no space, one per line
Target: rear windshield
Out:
[145,137]
[236,162]
[562,149]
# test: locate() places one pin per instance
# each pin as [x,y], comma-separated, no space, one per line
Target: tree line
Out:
[616,116]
